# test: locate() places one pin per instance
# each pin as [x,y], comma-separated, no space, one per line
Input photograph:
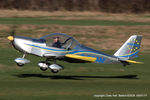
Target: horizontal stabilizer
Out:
[135,62]
[89,59]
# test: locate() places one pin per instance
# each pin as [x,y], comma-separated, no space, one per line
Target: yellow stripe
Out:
[135,62]
[90,59]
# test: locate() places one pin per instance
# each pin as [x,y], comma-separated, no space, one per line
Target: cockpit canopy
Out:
[60,40]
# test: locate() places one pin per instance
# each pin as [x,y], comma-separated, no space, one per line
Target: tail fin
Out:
[130,48]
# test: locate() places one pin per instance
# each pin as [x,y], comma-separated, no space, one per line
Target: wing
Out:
[72,58]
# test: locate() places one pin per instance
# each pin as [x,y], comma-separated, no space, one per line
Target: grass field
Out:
[76,81]
[106,32]
[87,22]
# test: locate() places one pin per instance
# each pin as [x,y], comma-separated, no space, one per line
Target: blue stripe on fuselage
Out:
[134,54]
[91,54]
[53,50]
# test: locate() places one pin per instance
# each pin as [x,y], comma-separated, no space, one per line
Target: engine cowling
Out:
[55,68]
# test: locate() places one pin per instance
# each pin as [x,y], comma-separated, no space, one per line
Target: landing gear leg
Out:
[23,55]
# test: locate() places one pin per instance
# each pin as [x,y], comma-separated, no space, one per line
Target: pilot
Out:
[57,43]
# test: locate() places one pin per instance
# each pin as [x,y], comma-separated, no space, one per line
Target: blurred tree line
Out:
[114,6]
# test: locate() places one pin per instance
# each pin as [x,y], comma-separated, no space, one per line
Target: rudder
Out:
[130,48]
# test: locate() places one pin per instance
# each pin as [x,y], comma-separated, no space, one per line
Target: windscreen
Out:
[59,40]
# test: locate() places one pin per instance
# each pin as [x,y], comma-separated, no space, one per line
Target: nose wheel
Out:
[19,64]
[21,61]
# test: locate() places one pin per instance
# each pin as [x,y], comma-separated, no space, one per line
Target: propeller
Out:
[12,33]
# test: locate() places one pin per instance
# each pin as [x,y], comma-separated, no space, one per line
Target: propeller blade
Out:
[13,30]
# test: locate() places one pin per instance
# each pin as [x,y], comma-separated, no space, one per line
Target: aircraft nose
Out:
[20,43]
[11,38]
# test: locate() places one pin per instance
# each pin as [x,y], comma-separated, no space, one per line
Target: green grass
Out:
[76,81]
[68,22]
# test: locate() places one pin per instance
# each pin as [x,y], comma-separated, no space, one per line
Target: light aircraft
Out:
[59,46]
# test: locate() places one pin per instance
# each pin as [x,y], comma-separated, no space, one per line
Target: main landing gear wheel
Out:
[54,71]
[43,69]
[55,68]
[43,65]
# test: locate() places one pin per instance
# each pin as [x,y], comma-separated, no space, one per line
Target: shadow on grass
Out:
[69,77]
